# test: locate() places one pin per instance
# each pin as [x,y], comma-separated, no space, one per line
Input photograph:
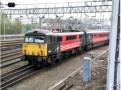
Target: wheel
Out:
[49,60]
[29,62]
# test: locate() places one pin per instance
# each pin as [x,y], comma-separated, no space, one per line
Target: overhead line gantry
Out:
[92,7]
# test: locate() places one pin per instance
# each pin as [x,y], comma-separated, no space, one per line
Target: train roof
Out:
[39,32]
[68,33]
[98,31]
[47,32]
[81,32]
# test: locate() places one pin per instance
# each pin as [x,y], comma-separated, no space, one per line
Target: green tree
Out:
[10,27]
[16,27]
[3,22]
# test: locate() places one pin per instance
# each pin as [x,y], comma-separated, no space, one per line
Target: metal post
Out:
[48,19]
[21,24]
[77,20]
[101,23]
[4,27]
[95,16]
[0,23]
[40,22]
[113,64]
[119,68]
[86,69]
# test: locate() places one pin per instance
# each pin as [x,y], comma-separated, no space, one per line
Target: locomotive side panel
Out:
[70,42]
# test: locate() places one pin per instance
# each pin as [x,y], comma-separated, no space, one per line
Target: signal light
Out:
[11,4]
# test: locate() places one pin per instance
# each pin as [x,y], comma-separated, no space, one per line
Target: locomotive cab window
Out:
[29,39]
[39,39]
[35,39]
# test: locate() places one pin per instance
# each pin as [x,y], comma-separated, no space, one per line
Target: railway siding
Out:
[10,44]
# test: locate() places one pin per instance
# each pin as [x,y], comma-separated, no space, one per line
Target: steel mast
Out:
[114,67]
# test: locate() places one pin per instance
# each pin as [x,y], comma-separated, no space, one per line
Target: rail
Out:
[17,75]
[11,37]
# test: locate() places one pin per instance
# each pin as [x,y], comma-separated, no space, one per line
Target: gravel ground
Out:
[98,78]
[44,79]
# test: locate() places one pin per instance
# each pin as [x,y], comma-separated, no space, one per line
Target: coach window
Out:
[100,35]
[94,36]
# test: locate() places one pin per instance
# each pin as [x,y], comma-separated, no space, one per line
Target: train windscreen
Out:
[35,39]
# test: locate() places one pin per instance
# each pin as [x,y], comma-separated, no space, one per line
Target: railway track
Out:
[65,86]
[10,51]
[21,73]
[10,54]
[10,63]
[12,44]
[16,75]
[10,58]
[11,41]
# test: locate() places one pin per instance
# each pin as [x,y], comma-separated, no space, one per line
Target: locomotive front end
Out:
[29,49]
[34,48]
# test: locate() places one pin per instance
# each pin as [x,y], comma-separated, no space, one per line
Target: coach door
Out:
[89,39]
